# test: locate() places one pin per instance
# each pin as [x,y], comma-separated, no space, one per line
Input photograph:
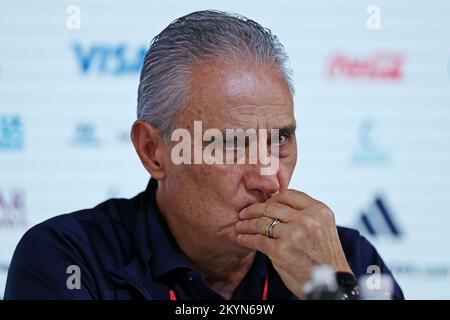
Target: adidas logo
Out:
[379,220]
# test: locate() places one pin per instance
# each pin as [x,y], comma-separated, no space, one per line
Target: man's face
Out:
[207,198]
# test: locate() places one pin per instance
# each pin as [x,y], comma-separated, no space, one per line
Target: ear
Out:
[149,146]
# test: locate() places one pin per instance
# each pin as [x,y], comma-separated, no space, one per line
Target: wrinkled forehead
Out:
[245,96]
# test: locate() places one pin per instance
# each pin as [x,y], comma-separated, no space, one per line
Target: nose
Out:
[265,184]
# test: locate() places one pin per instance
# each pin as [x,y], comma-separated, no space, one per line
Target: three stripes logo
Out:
[379,220]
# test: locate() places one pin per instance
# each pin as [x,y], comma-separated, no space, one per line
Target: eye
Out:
[282,139]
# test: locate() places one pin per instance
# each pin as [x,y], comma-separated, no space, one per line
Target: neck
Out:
[222,273]
[223,265]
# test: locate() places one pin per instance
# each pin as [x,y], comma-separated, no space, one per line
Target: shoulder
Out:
[90,239]
[79,226]
[79,231]
[359,251]
[362,256]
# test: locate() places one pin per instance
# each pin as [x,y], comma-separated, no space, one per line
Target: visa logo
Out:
[113,60]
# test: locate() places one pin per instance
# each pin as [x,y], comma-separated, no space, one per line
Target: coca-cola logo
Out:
[378,66]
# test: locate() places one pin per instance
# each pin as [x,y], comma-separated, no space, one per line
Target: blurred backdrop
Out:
[372,105]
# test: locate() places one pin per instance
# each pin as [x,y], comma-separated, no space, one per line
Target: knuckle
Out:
[273,206]
[297,236]
[292,193]
[327,213]
[310,223]
[324,211]
[288,193]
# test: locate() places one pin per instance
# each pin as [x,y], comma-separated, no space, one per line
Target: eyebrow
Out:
[289,129]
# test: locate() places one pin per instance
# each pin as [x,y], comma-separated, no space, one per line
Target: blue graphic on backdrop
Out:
[12,209]
[11,132]
[123,136]
[379,220]
[85,135]
[368,152]
[114,60]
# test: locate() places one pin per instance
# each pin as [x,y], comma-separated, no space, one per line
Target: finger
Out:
[271,209]
[258,226]
[253,226]
[257,242]
[295,199]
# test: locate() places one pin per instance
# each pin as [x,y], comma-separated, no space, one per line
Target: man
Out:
[204,229]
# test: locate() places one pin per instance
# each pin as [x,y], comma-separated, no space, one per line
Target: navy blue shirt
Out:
[124,250]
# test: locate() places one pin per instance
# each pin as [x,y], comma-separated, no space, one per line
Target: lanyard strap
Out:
[173,296]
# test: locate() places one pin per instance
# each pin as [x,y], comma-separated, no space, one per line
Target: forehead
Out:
[223,94]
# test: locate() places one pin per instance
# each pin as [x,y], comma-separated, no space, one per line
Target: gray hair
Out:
[163,87]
